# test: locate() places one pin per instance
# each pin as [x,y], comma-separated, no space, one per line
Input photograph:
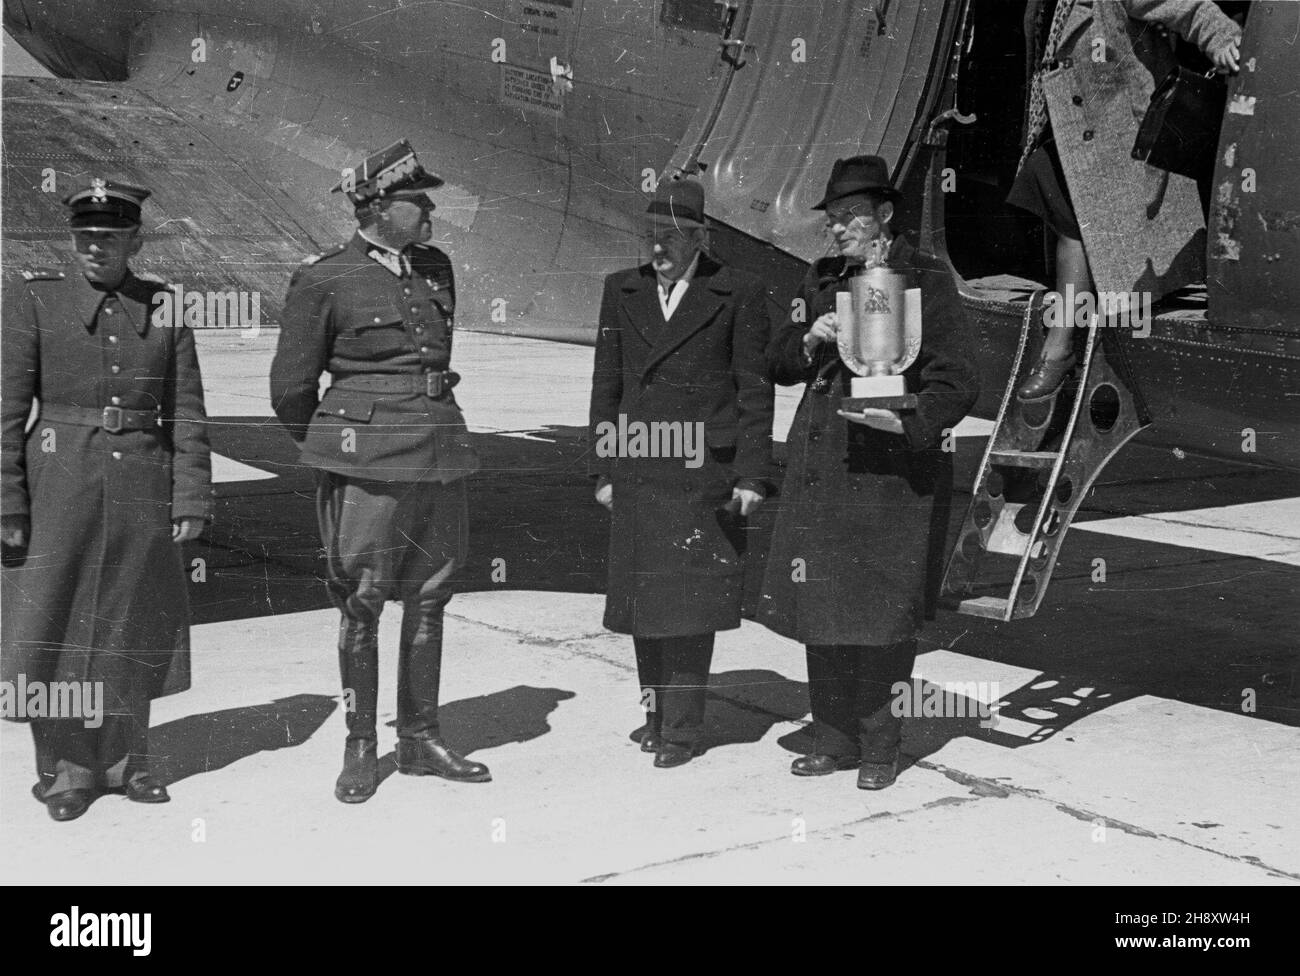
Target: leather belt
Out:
[113,420]
[432,384]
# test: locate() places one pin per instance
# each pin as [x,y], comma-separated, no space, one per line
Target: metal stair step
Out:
[994,607]
[1024,459]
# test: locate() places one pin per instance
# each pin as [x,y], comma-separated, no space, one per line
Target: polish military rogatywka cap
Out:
[105,205]
[394,171]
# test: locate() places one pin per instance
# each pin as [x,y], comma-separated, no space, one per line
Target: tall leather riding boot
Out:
[359,669]
[420,749]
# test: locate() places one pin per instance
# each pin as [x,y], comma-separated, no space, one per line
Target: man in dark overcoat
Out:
[391,450]
[99,491]
[681,429]
[863,501]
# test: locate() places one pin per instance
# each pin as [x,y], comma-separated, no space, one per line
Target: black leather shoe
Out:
[68,805]
[432,757]
[638,733]
[876,776]
[668,755]
[821,765]
[1046,378]
[360,777]
[651,741]
[145,789]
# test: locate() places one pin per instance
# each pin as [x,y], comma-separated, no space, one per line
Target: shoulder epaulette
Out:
[42,274]
[338,248]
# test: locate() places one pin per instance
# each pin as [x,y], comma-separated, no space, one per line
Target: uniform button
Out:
[117,455]
[108,311]
[115,401]
[377,320]
[112,338]
[1087,135]
[406,291]
[117,369]
[341,412]
[424,349]
[415,309]
[1077,99]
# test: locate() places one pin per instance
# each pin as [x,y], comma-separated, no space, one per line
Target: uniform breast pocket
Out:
[373,332]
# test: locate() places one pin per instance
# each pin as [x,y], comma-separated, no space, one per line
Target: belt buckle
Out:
[111,420]
[433,385]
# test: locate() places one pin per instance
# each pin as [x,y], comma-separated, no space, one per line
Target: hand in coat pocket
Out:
[744,502]
[186,529]
[14,533]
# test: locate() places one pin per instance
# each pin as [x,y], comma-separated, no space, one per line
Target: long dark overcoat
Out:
[101,594]
[676,559]
[862,511]
[1142,227]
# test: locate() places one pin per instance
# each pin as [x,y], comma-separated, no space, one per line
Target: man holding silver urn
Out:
[861,522]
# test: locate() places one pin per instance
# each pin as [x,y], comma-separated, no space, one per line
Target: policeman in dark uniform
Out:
[98,494]
[391,449]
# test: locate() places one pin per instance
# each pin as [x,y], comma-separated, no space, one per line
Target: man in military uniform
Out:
[98,494]
[391,449]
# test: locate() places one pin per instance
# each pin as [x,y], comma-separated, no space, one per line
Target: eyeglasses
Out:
[844,217]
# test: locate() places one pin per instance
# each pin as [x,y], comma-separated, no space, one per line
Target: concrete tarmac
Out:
[1144,726]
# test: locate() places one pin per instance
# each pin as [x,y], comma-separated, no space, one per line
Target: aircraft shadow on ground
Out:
[531,505]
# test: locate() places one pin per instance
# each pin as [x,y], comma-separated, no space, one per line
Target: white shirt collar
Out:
[671,296]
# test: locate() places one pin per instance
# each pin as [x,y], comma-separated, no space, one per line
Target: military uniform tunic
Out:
[374,324]
[101,592]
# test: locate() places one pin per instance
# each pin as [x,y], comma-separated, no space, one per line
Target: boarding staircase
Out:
[1040,461]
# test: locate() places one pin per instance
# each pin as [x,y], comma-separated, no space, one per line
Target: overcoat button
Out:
[341,412]
[117,369]
[116,400]
[117,455]
[108,311]
[1077,99]
[377,320]
[1087,135]
[112,338]
[406,291]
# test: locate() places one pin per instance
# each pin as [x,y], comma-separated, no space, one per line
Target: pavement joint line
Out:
[608,637]
[982,788]
[1006,789]
[784,838]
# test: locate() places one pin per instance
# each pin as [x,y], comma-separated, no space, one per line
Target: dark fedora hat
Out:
[858,174]
[679,203]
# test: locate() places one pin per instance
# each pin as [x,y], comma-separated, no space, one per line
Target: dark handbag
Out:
[1180,131]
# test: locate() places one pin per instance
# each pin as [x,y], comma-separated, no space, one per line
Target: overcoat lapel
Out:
[705,296]
[641,304]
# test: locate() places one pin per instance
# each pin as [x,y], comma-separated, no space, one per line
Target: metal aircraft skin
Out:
[551,119]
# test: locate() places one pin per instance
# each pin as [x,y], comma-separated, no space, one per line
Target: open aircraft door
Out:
[810,82]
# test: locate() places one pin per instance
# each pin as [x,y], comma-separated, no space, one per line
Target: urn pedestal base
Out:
[879,392]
